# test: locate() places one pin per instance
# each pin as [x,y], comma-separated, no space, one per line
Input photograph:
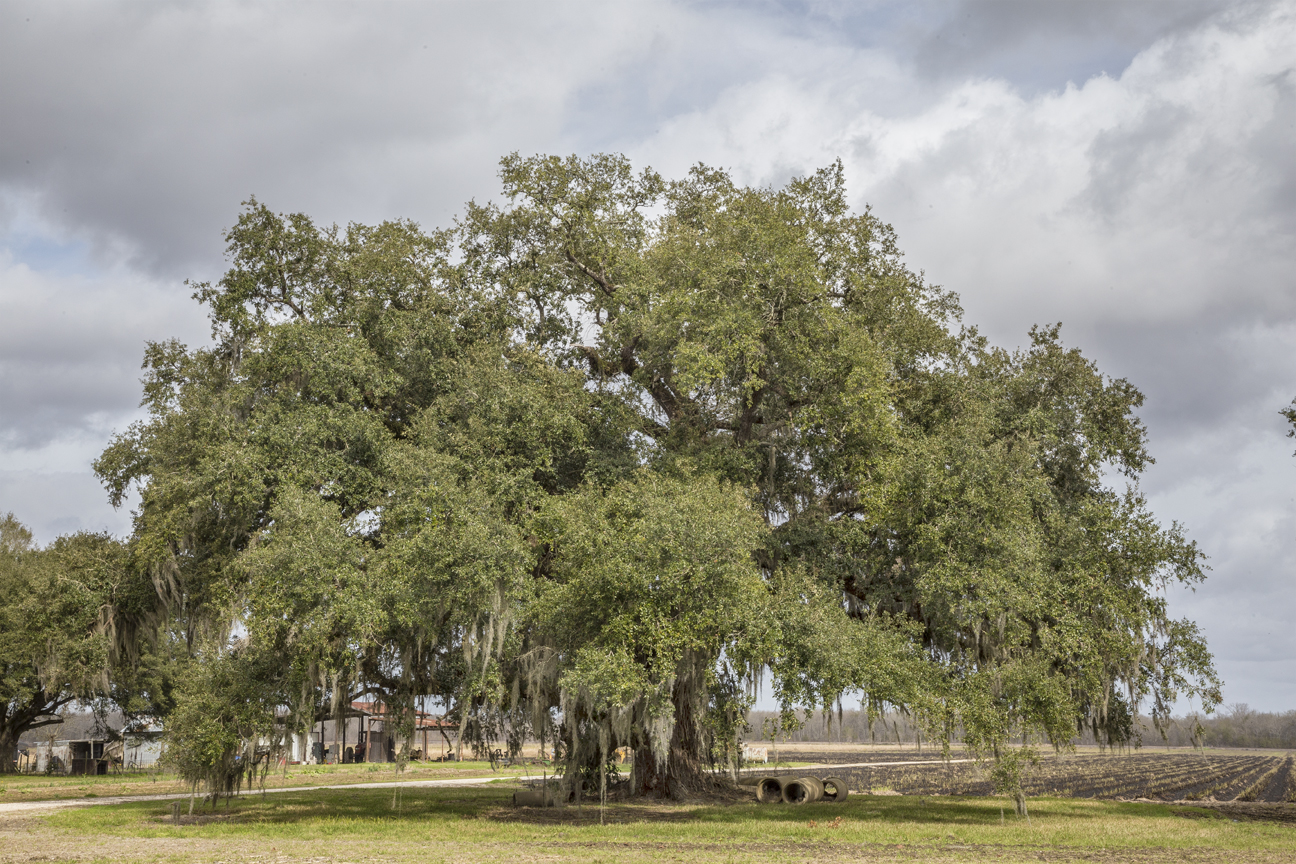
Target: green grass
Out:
[459,823]
[43,787]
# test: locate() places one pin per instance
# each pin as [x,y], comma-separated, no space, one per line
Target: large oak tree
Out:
[595,461]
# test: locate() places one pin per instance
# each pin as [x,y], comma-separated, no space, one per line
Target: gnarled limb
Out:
[599,279]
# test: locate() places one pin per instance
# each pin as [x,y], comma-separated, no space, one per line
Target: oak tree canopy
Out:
[601,457]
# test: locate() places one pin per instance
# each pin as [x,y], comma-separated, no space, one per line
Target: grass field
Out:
[480,825]
[1244,816]
[42,787]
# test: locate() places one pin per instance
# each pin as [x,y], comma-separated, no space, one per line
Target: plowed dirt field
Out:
[1242,776]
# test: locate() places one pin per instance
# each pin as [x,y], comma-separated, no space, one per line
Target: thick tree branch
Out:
[37,724]
[628,362]
[600,279]
[594,359]
[665,398]
[749,416]
[602,368]
[284,296]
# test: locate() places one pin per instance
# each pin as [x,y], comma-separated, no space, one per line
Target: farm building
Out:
[86,744]
[83,744]
[368,733]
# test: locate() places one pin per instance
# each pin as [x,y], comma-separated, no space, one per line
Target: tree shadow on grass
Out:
[333,805]
[933,810]
[421,804]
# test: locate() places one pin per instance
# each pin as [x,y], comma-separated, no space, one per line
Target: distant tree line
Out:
[1238,726]
[848,727]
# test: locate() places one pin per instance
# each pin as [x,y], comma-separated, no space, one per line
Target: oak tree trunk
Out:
[684,771]
[39,710]
[8,747]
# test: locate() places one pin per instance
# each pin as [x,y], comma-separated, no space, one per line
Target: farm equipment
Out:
[498,759]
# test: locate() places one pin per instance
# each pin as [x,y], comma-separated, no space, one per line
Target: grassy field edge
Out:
[393,819]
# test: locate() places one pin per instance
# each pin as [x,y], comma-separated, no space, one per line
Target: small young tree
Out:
[224,725]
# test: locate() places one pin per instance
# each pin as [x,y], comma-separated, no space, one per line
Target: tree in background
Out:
[58,626]
[345,473]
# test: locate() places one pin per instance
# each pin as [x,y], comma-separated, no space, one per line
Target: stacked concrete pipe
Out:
[801,790]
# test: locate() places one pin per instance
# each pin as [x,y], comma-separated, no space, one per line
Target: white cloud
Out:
[52,503]
[1154,213]
[71,345]
[1152,209]
[1150,185]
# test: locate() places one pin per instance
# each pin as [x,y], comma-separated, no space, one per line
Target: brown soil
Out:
[1248,811]
[1276,791]
[1154,775]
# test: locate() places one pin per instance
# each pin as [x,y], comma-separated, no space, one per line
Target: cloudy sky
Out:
[1128,169]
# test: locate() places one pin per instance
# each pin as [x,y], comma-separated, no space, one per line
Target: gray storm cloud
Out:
[1126,169]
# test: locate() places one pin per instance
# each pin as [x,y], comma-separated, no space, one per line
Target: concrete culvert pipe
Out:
[835,789]
[795,792]
[816,787]
[533,798]
[769,790]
